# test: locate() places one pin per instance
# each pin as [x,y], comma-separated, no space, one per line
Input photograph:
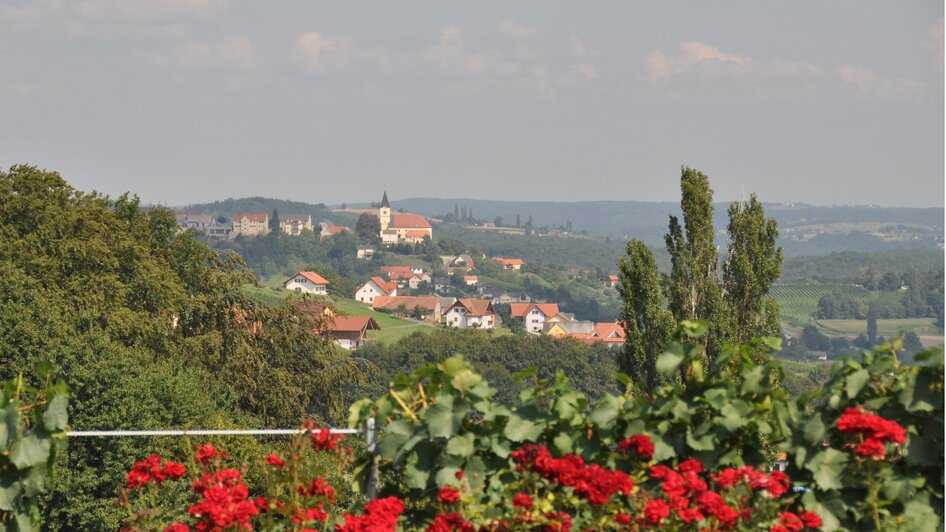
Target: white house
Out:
[471,313]
[366,252]
[307,282]
[373,288]
[533,315]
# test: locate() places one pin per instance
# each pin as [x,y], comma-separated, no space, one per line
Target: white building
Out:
[471,313]
[373,288]
[308,283]
[533,315]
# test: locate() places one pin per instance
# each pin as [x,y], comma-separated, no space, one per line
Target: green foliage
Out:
[32,433]
[151,328]
[857,494]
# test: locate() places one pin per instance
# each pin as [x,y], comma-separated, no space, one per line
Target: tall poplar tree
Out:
[732,297]
[645,318]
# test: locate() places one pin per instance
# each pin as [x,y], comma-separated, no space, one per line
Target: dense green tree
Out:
[368,228]
[646,321]
[274,222]
[151,328]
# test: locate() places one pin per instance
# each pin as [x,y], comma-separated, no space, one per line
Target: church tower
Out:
[384,215]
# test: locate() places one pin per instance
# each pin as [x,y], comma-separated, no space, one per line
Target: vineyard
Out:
[798,302]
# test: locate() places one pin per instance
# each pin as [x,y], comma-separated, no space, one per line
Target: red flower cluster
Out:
[591,482]
[522,500]
[688,494]
[274,460]
[150,470]
[640,443]
[318,488]
[322,437]
[225,503]
[206,452]
[775,484]
[380,516]
[449,523]
[656,511]
[789,522]
[449,495]
[873,430]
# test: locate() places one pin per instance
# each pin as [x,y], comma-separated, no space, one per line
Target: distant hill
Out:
[229,206]
[814,230]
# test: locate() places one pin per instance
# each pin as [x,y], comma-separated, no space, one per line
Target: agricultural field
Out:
[798,302]
[924,328]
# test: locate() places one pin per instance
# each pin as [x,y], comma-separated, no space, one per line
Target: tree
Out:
[498,221]
[517,220]
[368,228]
[646,321]
[274,222]
[872,325]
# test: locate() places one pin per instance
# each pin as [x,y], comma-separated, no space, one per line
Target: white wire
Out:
[198,432]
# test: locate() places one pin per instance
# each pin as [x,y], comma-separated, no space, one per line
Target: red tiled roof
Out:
[613,278]
[405,221]
[352,324]
[409,302]
[608,332]
[386,286]
[470,278]
[520,310]
[398,272]
[476,307]
[251,216]
[416,233]
[334,229]
[312,276]
[509,262]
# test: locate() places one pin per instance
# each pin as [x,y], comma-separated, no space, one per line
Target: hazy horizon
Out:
[194,101]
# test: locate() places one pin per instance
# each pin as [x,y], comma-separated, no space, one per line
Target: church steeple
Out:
[384,200]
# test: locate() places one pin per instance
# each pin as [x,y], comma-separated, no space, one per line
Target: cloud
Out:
[700,70]
[233,52]
[517,31]
[869,84]
[318,51]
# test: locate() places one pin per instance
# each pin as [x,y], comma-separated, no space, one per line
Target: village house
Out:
[373,288]
[613,281]
[471,280]
[329,230]
[397,273]
[564,329]
[307,283]
[366,252]
[193,220]
[472,313]
[402,227]
[533,315]
[442,284]
[417,279]
[459,263]
[318,308]
[610,333]
[218,230]
[294,224]
[250,224]
[505,298]
[351,332]
[418,307]
[510,264]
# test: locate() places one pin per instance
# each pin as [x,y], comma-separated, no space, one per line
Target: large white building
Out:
[402,227]
[470,313]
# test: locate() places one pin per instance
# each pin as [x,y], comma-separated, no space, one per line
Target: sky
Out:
[187,101]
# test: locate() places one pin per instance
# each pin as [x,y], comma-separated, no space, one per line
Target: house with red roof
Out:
[374,287]
[351,332]
[610,333]
[471,313]
[397,273]
[250,224]
[329,230]
[510,263]
[613,280]
[533,315]
[471,280]
[402,227]
[417,307]
[308,283]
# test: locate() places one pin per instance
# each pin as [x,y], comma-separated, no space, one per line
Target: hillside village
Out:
[413,292]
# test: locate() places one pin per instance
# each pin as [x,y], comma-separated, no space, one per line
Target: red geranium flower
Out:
[449,495]
[640,443]
[655,511]
[522,500]
[274,460]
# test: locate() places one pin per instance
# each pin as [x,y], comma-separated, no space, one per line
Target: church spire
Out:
[384,200]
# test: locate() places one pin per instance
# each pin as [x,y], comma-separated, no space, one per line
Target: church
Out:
[401,228]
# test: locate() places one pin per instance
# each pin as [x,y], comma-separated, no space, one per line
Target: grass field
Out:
[852,328]
[799,302]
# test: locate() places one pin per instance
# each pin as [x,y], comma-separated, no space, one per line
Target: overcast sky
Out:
[187,101]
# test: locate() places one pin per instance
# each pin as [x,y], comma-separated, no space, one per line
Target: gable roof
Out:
[571,327]
[409,302]
[613,278]
[312,276]
[416,233]
[251,216]
[352,324]
[333,229]
[384,200]
[609,331]
[509,262]
[405,221]
[386,287]
[521,310]
[475,307]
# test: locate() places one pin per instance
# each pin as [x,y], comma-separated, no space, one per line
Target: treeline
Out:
[914,295]
[861,267]
[150,328]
